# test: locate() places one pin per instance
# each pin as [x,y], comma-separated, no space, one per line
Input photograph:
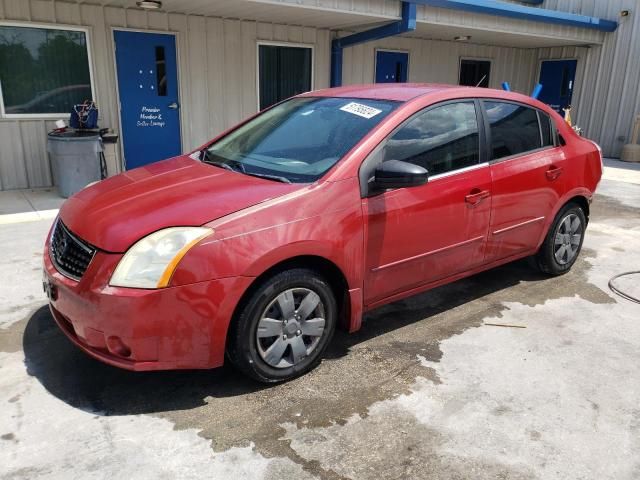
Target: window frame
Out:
[487,128]
[374,158]
[51,26]
[270,43]
[475,59]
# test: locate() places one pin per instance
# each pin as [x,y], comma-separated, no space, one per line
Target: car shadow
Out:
[87,384]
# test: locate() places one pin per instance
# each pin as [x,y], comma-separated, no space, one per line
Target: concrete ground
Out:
[426,390]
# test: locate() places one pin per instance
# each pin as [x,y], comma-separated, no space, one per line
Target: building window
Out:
[475,73]
[441,139]
[43,70]
[284,71]
[514,129]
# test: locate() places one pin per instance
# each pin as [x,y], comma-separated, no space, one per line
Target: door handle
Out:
[553,172]
[476,196]
[173,106]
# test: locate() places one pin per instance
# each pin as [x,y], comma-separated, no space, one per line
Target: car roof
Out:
[400,92]
[405,92]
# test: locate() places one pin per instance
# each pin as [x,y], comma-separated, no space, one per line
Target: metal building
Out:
[170,76]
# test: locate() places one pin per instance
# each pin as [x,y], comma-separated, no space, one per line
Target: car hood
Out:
[115,213]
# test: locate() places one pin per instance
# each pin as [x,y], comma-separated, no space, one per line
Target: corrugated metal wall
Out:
[217,61]
[608,76]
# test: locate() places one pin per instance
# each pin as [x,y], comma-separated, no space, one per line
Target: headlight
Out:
[151,261]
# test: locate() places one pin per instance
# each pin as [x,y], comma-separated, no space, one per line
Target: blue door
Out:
[148,89]
[391,67]
[557,77]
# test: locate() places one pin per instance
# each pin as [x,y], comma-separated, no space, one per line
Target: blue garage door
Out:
[148,89]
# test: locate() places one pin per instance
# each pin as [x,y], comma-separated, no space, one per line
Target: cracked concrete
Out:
[425,390]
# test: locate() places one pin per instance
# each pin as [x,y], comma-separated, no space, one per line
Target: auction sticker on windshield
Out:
[361,110]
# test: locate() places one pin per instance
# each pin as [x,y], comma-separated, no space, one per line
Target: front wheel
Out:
[284,327]
[563,242]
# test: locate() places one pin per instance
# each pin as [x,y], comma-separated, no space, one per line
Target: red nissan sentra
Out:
[305,216]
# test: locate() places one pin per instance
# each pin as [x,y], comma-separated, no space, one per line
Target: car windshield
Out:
[299,140]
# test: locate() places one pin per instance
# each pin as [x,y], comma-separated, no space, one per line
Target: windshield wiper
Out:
[206,158]
[270,177]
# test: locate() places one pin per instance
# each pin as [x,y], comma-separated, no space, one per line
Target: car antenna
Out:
[481,80]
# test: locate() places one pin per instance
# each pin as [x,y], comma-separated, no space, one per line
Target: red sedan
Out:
[329,204]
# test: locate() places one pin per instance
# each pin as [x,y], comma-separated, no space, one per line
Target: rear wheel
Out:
[563,242]
[284,327]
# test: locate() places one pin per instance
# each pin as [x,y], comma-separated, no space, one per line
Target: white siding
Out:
[438,62]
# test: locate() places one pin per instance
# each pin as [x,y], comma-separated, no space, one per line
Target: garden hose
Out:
[617,291]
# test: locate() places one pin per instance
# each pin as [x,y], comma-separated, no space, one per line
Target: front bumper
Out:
[181,327]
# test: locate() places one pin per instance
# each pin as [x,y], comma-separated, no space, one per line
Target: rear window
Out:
[514,129]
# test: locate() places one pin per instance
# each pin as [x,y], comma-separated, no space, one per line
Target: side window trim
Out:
[486,130]
[539,117]
[375,155]
[542,116]
[487,127]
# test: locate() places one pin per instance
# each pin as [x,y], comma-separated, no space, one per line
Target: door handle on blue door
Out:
[173,106]
[476,196]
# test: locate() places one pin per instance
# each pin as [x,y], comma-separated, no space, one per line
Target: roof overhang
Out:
[285,12]
[519,26]
[503,37]
[523,12]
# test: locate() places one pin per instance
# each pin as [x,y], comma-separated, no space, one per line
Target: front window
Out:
[43,71]
[299,140]
[440,139]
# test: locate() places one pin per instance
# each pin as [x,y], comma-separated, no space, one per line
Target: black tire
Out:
[546,260]
[246,351]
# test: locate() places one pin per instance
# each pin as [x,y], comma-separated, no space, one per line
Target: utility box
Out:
[75,159]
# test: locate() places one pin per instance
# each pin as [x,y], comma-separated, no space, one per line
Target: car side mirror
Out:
[398,174]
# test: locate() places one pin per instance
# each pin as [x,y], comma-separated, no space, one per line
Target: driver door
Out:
[415,236]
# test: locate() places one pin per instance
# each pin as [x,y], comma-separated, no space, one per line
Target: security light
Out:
[149,4]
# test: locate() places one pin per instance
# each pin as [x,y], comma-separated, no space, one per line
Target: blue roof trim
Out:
[407,23]
[512,10]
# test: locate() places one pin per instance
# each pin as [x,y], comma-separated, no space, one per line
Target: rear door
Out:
[526,173]
[556,78]
[419,235]
[391,67]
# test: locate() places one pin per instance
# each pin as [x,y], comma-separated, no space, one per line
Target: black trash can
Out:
[75,159]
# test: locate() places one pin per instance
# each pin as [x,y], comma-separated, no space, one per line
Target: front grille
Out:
[69,254]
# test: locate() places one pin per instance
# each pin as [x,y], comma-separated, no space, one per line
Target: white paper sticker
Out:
[361,110]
